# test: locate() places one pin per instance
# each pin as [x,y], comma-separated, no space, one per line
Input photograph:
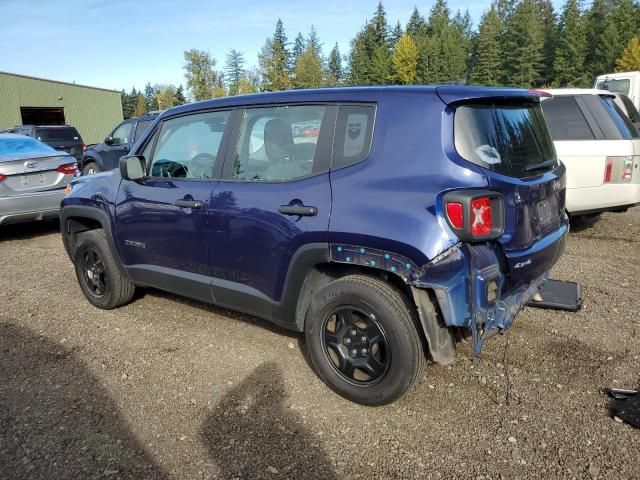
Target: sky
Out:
[123,44]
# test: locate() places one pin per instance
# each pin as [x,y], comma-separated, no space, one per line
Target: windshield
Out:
[620,85]
[509,138]
[18,144]
[57,134]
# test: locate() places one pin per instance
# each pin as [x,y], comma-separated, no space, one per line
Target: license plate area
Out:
[546,212]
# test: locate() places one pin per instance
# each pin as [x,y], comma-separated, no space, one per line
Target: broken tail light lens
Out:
[481,217]
[475,215]
[67,169]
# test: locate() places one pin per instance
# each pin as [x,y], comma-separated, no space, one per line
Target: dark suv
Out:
[104,156]
[407,214]
[64,138]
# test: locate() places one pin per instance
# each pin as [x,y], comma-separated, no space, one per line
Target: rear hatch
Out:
[62,138]
[506,135]
[31,170]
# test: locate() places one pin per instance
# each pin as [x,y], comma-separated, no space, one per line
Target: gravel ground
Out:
[170,388]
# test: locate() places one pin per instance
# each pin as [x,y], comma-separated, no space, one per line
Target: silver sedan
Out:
[33,178]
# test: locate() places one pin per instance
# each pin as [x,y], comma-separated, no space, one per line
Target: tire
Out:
[329,340]
[101,282]
[90,168]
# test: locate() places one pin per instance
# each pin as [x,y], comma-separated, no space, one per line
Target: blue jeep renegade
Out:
[379,221]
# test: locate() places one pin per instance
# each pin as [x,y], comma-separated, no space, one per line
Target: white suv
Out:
[599,146]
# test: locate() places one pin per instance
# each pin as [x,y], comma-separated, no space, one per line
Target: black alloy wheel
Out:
[93,273]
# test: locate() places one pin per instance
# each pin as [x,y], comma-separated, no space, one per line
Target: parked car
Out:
[621,82]
[104,156]
[628,108]
[63,138]
[599,146]
[417,211]
[33,177]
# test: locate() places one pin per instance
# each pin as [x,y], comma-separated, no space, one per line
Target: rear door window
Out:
[632,111]
[141,127]
[565,119]
[509,138]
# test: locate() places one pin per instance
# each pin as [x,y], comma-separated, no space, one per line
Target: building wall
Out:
[93,111]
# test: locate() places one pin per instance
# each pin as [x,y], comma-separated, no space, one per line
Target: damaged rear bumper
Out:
[474,290]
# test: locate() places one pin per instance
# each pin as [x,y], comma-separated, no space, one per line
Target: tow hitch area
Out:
[558,295]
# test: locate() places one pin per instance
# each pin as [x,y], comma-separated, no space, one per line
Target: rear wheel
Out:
[362,340]
[98,274]
[90,168]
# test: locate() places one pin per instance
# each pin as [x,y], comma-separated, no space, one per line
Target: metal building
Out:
[36,101]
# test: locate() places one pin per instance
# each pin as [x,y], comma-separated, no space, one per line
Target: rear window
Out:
[632,111]
[353,134]
[57,134]
[620,85]
[565,119]
[509,138]
[17,145]
[624,125]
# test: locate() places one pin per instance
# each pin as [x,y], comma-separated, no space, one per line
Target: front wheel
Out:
[362,340]
[97,271]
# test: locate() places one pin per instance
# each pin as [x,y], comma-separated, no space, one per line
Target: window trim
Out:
[154,135]
[324,146]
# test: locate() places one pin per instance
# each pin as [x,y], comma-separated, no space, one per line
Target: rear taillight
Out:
[67,169]
[619,169]
[481,216]
[84,148]
[475,215]
[2,177]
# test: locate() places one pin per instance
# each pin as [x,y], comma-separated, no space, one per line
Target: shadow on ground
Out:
[251,433]
[56,420]
[27,230]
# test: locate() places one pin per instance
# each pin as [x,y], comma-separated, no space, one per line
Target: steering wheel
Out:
[201,166]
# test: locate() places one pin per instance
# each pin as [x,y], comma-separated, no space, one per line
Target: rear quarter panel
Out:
[389,200]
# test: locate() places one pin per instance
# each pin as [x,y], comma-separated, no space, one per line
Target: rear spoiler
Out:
[452,94]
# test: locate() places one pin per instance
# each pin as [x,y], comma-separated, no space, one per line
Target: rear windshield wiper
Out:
[540,166]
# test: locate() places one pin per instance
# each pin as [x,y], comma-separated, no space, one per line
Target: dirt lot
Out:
[169,388]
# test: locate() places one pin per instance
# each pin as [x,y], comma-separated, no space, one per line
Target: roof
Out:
[352,94]
[58,82]
[558,92]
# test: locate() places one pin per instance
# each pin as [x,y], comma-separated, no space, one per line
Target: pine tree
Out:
[380,26]
[417,26]
[308,70]
[234,70]
[487,55]
[181,100]
[335,73]
[165,96]
[571,47]
[549,32]
[396,35]
[602,39]
[523,46]
[370,56]
[360,57]
[274,61]
[128,102]
[624,17]
[149,98]
[630,59]
[200,73]
[299,45]
[404,60]
[141,106]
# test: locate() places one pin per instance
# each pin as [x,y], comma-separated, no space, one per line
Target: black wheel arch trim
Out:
[70,229]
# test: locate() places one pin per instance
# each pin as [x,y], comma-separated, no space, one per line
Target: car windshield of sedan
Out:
[19,144]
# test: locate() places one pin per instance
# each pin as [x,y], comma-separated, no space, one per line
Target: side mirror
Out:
[108,140]
[132,167]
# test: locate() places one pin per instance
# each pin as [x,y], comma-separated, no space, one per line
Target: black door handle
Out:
[300,210]
[190,203]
